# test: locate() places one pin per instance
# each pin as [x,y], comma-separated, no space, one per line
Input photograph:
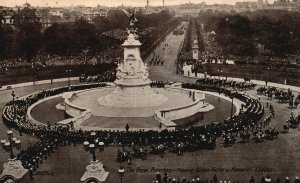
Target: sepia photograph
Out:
[150,91]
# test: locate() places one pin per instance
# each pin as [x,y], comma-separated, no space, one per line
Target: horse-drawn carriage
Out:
[177,147]
[158,149]
[139,152]
[271,133]
[293,122]
[258,136]
[83,78]
[286,128]
[123,156]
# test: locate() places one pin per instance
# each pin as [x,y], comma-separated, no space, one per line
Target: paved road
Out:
[167,51]
[5,96]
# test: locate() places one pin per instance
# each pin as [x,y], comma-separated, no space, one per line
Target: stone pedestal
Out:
[13,170]
[133,85]
[95,172]
[195,49]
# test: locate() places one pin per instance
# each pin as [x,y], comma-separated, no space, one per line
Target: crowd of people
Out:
[121,35]
[6,64]
[227,83]
[14,113]
[159,84]
[107,76]
[156,60]
[248,125]
[283,96]
[177,141]
[165,178]
[265,61]
[211,52]
[112,55]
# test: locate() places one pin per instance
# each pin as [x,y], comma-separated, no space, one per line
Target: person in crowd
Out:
[297,180]
[127,127]
[251,180]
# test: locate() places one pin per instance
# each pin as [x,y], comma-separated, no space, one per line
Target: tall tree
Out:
[58,39]
[6,41]
[84,35]
[29,34]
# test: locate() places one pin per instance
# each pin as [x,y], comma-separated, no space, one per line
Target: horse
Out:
[271,133]
[158,149]
[122,156]
[245,136]
[140,152]
[258,136]
[294,122]
[286,128]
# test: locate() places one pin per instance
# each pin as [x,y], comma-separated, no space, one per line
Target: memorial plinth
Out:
[132,83]
[131,101]
[94,172]
[13,170]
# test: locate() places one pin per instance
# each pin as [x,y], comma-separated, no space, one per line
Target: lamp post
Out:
[13,95]
[219,73]
[93,151]
[121,173]
[91,145]
[231,112]
[13,168]
[36,74]
[269,76]
[8,144]
[100,174]
[10,136]
[68,74]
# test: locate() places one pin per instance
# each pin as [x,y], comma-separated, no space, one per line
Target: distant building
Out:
[193,10]
[152,9]
[91,14]
[252,6]
[286,5]
[187,12]
[57,12]
[6,15]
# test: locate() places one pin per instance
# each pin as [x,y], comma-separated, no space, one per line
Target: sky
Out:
[55,3]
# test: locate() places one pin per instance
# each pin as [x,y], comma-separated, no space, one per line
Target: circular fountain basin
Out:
[172,98]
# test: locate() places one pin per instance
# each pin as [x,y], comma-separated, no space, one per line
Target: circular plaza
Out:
[152,122]
[137,118]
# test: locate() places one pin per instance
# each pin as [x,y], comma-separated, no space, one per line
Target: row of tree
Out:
[199,38]
[264,32]
[27,38]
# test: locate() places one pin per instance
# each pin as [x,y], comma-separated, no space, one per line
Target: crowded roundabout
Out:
[257,138]
[253,125]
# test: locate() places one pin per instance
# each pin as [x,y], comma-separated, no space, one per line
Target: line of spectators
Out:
[139,142]
[227,83]
[110,55]
[107,76]
[165,178]
[159,84]
[265,61]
